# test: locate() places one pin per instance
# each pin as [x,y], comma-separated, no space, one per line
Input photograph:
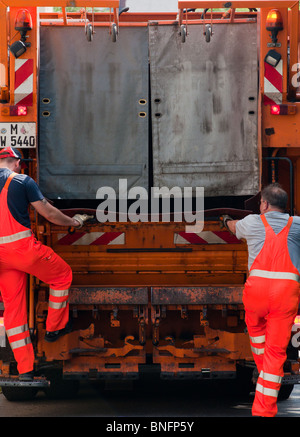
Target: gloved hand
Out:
[82,218]
[224,219]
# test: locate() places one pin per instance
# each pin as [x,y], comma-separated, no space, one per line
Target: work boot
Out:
[52,336]
[28,376]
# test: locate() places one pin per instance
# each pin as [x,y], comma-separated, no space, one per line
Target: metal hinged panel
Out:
[92,94]
[204,108]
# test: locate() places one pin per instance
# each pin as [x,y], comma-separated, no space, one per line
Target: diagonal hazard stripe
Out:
[91,238]
[206,237]
[267,100]
[88,238]
[273,76]
[24,99]
[24,69]
[270,88]
[192,238]
[227,237]
[107,238]
[70,238]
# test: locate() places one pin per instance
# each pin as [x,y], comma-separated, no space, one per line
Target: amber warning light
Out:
[274,23]
[23,24]
[23,21]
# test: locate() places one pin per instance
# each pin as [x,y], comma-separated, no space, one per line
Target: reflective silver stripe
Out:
[258,351]
[15,237]
[57,305]
[59,293]
[20,343]
[274,275]
[259,339]
[17,330]
[270,377]
[267,391]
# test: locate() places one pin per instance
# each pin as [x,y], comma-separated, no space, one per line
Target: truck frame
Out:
[149,294]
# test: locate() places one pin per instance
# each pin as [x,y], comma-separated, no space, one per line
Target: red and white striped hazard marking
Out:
[273,84]
[24,82]
[205,237]
[91,238]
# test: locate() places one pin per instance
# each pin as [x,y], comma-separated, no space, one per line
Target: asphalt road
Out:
[151,399]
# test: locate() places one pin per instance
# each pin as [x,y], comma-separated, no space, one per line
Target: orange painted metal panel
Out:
[62,3]
[280,131]
[185,4]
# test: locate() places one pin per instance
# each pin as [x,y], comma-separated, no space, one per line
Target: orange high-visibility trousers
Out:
[271,299]
[22,254]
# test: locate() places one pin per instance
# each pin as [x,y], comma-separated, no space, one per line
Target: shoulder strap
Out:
[264,220]
[9,179]
[289,223]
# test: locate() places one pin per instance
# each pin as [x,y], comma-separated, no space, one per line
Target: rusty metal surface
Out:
[212,213]
[129,296]
[196,295]
[13,381]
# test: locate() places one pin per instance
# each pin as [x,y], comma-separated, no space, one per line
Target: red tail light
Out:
[283,109]
[14,110]
[275,109]
[22,110]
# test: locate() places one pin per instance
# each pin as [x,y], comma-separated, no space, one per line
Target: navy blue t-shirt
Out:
[21,192]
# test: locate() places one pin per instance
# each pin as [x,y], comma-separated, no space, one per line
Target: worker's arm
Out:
[228,223]
[231,225]
[54,215]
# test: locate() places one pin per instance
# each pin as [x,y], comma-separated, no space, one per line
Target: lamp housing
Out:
[18,48]
[273,58]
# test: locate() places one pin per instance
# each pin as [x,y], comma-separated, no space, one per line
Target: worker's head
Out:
[11,158]
[273,198]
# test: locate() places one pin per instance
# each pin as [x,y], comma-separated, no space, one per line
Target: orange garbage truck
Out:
[156,125]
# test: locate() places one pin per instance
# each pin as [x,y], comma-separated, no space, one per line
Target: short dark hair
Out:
[275,195]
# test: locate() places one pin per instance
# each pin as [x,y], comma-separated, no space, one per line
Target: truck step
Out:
[11,381]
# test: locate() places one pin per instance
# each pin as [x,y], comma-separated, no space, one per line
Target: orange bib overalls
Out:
[271,298]
[21,253]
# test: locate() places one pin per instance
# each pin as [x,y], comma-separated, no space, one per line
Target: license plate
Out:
[19,135]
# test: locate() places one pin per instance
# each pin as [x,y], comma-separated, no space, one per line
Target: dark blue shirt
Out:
[21,192]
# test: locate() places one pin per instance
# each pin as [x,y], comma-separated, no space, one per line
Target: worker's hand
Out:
[223,221]
[81,219]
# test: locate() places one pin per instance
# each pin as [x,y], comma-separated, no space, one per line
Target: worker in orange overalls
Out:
[21,253]
[271,293]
